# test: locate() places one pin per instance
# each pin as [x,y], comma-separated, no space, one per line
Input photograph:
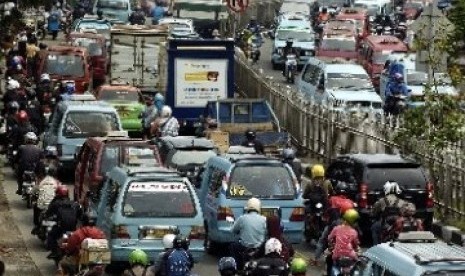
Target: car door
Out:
[308,81]
[211,200]
[106,206]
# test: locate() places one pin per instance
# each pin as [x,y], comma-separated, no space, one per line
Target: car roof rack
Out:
[416,236]
[132,171]
[80,98]
[241,150]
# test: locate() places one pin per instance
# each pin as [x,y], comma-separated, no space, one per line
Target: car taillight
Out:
[197,232]
[298,214]
[59,149]
[120,232]
[363,199]
[224,212]
[430,198]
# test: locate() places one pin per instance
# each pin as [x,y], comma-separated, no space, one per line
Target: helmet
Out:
[69,88]
[324,10]
[138,256]
[88,220]
[166,111]
[22,116]
[30,137]
[168,241]
[288,154]
[408,209]
[250,134]
[298,265]
[398,77]
[45,77]
[31,93]
[341,188]
[159,97]
[62,191]
[318,171]
[273,245]
[12,84]
[227,264]
[350,216]
[391,187]
[181,242]
[13,106]
[253,204]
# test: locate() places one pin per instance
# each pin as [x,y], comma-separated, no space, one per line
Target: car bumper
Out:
[119,254]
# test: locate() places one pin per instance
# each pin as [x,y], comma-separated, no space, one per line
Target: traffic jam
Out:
[135,157]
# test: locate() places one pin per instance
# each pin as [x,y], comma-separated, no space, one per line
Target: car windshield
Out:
[93,46]
[295,35]
[109,160]
[348,81]
[114,5]
[64,65]
[262,181]
[189,157]
[417,78]
[339,44]
[141,155]
[404,174]
[88,123]
[172,199]
[119,95]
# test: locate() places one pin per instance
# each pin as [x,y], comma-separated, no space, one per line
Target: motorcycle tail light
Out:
[363,199]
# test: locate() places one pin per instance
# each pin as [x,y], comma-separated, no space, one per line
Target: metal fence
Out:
[324,132]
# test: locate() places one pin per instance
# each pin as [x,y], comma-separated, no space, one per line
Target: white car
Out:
[340,84]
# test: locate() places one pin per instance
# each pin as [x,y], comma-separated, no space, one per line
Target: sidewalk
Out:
[13,250]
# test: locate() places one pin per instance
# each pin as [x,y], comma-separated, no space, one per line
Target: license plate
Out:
[269,212]
[151,234]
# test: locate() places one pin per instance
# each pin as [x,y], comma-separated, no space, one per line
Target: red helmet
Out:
[62,191]
[22,116]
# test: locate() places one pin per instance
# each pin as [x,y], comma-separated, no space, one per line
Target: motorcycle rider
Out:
[343,239]
[386,208]
[44,86]
[13,110]
[320,188]
[251,141]
[12,92]
[271,263]
[323,16]
[72,249]
[298,267]
[19,130]
[34,111]
[66,213]
[291,160]
[168,244]
[227,266]
[275,230]
[178,259]
[29,157]
[394,88]
[289,49]
[253,25]
[407,221]
[250,229]
[166,124]
[138,261]
[137,17]
[339,203]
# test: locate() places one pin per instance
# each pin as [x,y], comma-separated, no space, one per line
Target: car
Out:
[186,154]
[138,206]
[339,84]
[98,155]
[179,26]
[359,16]
[74,120]
[128,101]
[339,40]
[101,26]
[413,254]
[366,175]
[117,11]
[228,181]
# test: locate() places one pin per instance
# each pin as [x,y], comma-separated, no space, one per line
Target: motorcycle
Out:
[314,222]
[344,266]
[29,180]
[397,106]
[254,53]
[290,68]
[12,155]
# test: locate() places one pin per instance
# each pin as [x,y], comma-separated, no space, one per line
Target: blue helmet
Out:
[70,88]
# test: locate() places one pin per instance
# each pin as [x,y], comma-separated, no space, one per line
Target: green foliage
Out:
[457,17]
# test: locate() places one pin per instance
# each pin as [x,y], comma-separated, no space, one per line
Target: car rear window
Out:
[189,157]
[407,175]
[89,123]
[262,181]
[141,155]
[158,199]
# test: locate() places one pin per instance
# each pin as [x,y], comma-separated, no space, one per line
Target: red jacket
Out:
[341,203]
[74,241]
[344,241]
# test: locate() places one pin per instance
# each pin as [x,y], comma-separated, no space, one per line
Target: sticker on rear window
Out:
[166,187]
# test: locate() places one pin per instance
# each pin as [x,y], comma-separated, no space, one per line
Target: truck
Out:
[135,57]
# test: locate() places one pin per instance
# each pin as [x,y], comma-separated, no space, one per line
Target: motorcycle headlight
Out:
[319,205]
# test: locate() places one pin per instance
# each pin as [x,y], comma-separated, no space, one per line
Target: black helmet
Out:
[250,134]
[88,220]
[341,188]
[181,242]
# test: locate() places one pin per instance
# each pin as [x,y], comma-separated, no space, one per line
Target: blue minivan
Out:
[229,181]
[138,206]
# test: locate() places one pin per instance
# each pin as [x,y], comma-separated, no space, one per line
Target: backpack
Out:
[67,216]
[178,263]
[391,211]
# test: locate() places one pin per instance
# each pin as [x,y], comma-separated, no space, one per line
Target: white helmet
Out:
[45,77]
[391,187]
[253,204]
[168,240]
[273,245]
[30,137]
[13,84]
[166,111]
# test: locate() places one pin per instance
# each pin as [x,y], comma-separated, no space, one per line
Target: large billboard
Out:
[200,80]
